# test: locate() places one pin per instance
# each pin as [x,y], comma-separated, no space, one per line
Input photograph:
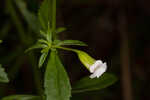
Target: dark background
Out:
[117,31]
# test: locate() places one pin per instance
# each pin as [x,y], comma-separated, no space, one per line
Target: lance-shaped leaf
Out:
[3,75]
[72,42]
[36,46]
[45,13]
[22,97]
[60,29]
[57,85]
[42,41]
[88,84]
[42,59]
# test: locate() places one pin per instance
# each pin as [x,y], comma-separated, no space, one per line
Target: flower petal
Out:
[93,75]
[99,71]
[95,66]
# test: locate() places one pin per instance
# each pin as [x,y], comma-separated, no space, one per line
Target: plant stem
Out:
[64,48]
[54,18]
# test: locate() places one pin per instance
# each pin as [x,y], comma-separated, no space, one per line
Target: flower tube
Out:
[96,67]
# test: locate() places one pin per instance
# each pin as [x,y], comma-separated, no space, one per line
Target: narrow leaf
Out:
[22,97]
[57,86]
[36,46]
[43,34]
[3,75]
[60,29]
[88,84]
[42,59]
[72,42]
[45,50]
[42,41]
[56,42]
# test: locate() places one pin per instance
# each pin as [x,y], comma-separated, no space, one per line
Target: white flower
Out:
[97,69]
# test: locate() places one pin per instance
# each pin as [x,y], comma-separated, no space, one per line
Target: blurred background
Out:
[116,31]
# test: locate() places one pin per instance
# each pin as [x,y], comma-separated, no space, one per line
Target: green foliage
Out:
[56,80]
[57,86]
[42,41]
[36,46]
[60,29]
[72,42]
[42,59]
[22,97]
[3,75]
[88,84]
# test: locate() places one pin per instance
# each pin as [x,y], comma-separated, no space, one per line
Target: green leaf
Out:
[3,75]
[45,13]
[45,50]
[36,46]
[56,42]
[60,29]
[88,84]
[43,41]
[43,34]
[72,42]
[42,59]
[22,97]
[57,85]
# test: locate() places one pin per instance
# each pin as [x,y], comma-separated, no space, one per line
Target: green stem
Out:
[64,48]
[54,18]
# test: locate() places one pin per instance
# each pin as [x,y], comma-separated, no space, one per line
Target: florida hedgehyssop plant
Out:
[55,82]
